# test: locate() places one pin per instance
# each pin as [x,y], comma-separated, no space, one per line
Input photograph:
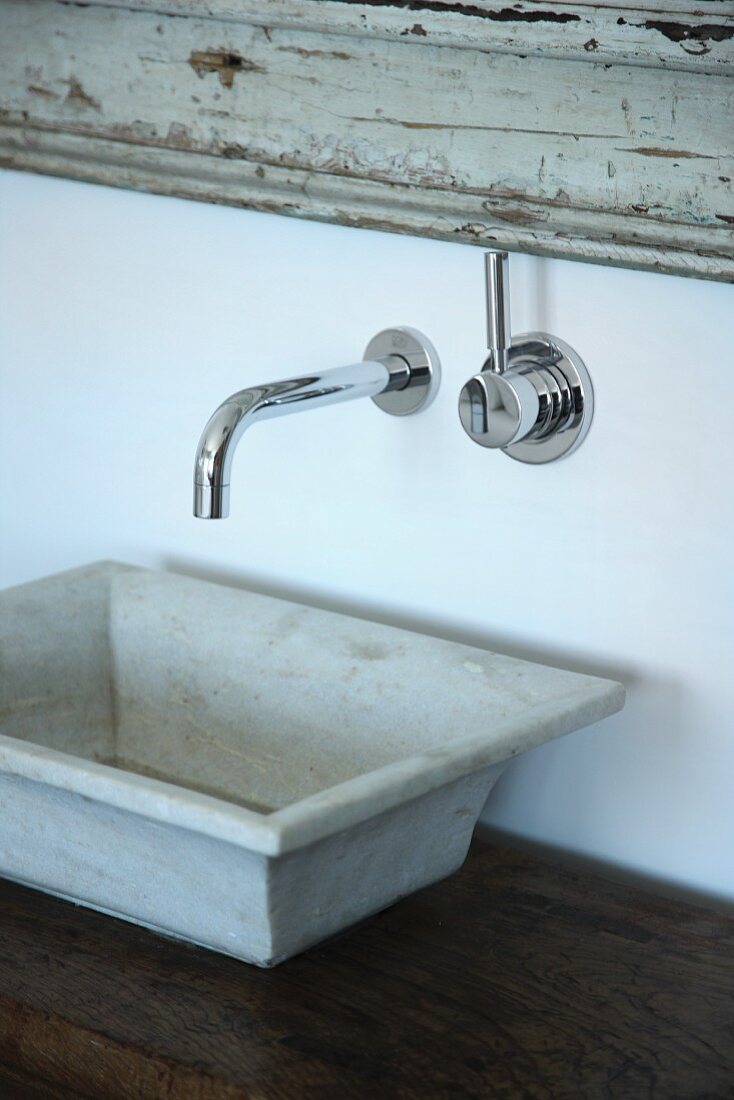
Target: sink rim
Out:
[328,811]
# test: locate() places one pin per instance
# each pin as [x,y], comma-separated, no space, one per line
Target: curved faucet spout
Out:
[225,428]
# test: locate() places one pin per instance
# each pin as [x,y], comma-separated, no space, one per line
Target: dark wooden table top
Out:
[514,978]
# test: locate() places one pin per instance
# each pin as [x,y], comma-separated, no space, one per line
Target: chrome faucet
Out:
[400,372]
[533,398]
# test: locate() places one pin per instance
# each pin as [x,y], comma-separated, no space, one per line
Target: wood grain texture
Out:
[589,131]
[513,978]
[679,34]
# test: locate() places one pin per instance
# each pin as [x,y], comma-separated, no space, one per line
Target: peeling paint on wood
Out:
[417,118]
[656,34]
[224,63]
[77,95]
[674,154]
[703,33]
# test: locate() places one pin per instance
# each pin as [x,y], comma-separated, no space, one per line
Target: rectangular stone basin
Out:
[245,772]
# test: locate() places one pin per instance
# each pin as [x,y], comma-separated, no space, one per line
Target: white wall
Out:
[125,319]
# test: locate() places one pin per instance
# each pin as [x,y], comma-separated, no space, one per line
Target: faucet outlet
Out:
[401,372]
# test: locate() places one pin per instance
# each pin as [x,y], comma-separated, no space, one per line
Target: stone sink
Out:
[244,772]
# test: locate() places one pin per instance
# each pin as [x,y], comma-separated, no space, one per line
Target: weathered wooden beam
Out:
[289,106]
[677,34]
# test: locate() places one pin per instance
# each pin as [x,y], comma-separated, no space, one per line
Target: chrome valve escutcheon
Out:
[533,398]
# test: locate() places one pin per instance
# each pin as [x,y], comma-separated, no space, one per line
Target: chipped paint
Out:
[78,97]
[36,89]
[587,135]
[687,32]
[224,63]
[501,15]
[670,154]
[339,55]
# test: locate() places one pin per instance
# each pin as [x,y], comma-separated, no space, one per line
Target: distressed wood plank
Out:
[513,978]
[613,163]
[674,33]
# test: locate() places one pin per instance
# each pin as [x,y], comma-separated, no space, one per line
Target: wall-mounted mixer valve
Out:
[533,397]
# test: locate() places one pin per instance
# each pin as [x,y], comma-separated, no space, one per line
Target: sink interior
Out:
[254,700]
[197,685]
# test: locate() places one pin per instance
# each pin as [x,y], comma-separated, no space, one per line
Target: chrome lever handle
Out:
[498,407]
[497,283]
[533,397]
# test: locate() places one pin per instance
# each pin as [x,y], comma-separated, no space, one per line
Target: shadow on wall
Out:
[646,881]
[422,624]
[653,723]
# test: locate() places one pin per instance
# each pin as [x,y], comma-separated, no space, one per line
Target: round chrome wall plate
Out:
[423,362]
[538,349]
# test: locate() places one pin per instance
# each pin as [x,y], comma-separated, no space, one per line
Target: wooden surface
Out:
[589,130]
[513,978]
